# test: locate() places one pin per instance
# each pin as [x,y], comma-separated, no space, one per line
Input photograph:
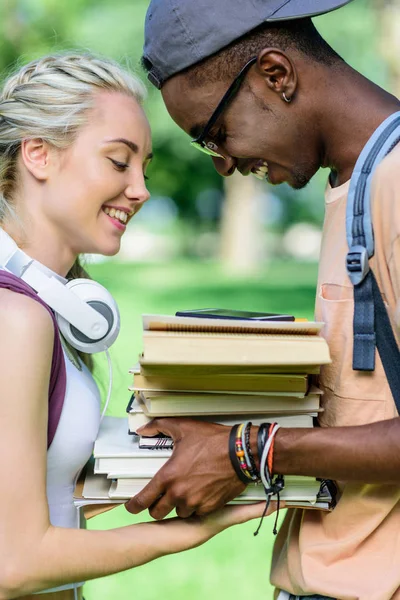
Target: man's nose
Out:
[224,166]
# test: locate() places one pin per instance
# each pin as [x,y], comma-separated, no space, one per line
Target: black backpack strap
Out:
[364,326]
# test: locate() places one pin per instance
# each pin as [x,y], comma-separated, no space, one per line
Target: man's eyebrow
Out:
[196,130]
[134,147]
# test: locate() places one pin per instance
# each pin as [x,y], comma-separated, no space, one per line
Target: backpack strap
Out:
[58,378]
[371,324]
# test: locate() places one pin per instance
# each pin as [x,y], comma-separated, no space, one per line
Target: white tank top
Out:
[73,442]
[71,447]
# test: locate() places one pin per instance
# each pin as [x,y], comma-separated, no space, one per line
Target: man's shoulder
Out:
[388,171]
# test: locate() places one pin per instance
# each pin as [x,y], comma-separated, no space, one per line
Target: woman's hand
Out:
[183,534]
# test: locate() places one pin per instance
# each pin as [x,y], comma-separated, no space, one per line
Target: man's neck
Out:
[353,109]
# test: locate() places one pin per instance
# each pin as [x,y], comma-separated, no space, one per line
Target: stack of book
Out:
[121,469]
[221,371]
[225,370]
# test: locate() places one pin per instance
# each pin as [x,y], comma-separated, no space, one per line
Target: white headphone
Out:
[86,313]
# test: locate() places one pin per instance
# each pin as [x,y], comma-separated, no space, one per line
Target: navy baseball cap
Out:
[180,33]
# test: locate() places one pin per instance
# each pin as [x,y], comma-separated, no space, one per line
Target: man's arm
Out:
[199,477]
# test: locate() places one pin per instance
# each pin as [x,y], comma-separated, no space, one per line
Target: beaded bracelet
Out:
[233,457]
[240,452]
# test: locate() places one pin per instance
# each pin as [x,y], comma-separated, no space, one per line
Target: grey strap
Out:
[361,241]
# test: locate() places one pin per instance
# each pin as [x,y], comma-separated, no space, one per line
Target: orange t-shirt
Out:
[352,553]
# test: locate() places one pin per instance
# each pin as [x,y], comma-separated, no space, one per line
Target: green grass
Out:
[234,564]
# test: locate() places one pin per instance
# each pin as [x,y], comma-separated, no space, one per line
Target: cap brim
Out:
[298,9]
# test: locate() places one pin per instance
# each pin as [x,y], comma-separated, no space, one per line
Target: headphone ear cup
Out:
[100,299]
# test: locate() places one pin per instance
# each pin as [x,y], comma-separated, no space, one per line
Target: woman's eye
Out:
[120,166]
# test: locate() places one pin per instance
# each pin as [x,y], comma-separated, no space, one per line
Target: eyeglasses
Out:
[200,142]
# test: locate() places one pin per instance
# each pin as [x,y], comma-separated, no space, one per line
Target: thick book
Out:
[204,325]
[187,348]
[184,404]
[233,383]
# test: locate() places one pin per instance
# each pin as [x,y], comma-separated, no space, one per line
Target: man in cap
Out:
[257,88]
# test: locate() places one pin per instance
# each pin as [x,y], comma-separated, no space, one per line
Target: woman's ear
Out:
[278,71]
[35,154]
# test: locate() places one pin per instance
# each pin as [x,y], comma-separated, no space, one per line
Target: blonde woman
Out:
[74,147]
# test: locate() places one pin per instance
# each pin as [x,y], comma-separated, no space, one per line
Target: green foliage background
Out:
[235,564]
[30,28]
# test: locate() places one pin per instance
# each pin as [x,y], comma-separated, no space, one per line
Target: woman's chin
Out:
[109,249]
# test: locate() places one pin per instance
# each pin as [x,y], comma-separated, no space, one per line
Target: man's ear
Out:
[278,71]
[36,155]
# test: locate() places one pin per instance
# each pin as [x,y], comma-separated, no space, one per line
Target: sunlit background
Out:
[198,243]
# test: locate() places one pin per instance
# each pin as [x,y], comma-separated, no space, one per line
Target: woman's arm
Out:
[33,554]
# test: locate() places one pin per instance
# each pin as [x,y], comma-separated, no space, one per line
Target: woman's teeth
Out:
[261,171]
[116,214]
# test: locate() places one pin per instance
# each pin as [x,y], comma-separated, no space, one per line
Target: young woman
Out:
[74,148]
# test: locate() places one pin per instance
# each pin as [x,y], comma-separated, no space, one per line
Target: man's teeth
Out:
[116,214]
[261,172]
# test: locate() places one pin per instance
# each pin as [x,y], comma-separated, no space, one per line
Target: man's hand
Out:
[197,479]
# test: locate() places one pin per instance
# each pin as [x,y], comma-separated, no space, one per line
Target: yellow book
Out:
[187,348]
[185,404]
[233,383]
[150,369]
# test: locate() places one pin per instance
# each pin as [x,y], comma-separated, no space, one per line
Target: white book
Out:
[115,449]
[135,465]
[114,441]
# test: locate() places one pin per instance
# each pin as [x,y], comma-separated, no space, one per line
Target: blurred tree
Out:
[241,226]
[388,17]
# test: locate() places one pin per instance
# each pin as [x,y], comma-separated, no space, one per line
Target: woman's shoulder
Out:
[21,313]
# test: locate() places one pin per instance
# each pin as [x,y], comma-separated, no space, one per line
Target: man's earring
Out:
[286,99]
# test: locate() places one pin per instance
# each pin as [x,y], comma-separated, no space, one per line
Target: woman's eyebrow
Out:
[134,147]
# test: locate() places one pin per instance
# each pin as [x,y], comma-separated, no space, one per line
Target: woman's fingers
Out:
[240,513]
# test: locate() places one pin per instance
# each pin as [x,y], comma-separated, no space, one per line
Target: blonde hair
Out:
[49,98]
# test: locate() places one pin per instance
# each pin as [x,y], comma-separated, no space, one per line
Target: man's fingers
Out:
[184,512]
[148,496]
[156,426]
[162,507]
[151,428]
